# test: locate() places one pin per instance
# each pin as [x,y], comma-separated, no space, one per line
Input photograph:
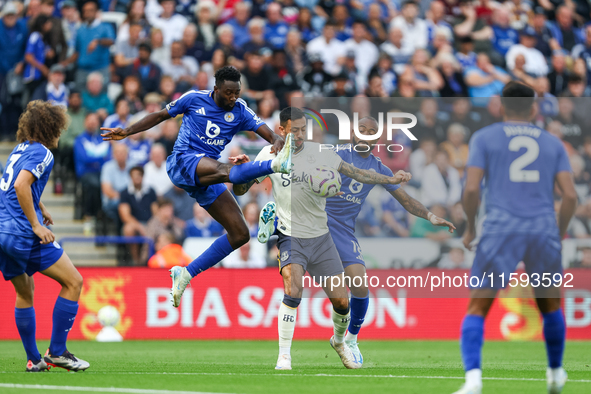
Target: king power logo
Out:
[345,128]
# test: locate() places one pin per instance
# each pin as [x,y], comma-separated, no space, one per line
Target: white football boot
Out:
[41,366]
[284,362]
[555,380]
[356,352]
[282,162]
[180,279]
[345,354]
[469,390]
[66,361]
[267,222]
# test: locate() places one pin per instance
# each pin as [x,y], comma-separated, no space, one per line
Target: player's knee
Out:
[26,294]
[239,236]
[340,304]
[360,292]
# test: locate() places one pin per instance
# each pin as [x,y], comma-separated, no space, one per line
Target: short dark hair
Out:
[290,113]
[227,73]
[137,168]
[163,201]
[517,98]
[145,46]
[575,78]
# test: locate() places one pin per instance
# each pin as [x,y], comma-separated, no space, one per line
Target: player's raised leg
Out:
[24,314]
[64,314]
[355,274]
[225,211]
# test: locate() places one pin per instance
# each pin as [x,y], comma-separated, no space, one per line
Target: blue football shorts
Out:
[346,243]
[19,255]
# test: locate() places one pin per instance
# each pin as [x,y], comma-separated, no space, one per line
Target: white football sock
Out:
[351,337]
[341,323]
[286,321]
[474,378]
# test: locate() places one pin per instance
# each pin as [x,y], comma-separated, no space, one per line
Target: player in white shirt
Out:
[305,243]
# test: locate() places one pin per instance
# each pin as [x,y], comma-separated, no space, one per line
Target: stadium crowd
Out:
[113,62]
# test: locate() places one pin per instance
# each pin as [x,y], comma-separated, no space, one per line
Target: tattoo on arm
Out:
[412,205]
[242,188]
[364,176]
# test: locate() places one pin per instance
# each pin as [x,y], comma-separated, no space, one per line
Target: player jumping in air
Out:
[27,246]
[304,241]
[210,120]
[342,213]
[520,164]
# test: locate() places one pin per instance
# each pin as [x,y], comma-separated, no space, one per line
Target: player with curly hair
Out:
[211,118]
[27,246]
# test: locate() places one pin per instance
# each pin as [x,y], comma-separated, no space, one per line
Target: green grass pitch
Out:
[166,367]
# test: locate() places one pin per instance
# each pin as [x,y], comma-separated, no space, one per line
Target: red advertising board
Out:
[243,304]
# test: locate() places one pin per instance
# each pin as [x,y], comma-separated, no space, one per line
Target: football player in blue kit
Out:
[521,164]
[27,246]
[343,211]
[210,119]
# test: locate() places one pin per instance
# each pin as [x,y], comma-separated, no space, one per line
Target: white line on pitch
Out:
[95,389]
[321,375]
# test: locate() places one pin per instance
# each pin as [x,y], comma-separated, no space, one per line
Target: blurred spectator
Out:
[585,258]
[181,68]
[375,88]
[275,29]
[182,202]
[466,55]
[202,224]
[399,50]
[53,89]
[55,37]
[142,67]
[225,42]
[504,36]
[558,77]
[542,32]
[127,51]
[572,126]
[136,207]
[93,40]
[304,25]
[328,49]
[170,132]
[428,81]
[454,259]
[193,48]
[168,90]
[564,34]
[469,24]
[315,81]
[421,158]
[535,62]
[244,258]
[384,68]
[164,221]
[458,218]
[366,52]
[168,253]
[121,116]
[135,15]
[575,86]
[239,23]
[13,42]
[414,29]
[440,183]
[283,79]
[204,11]
[429,125]
[256,77]
[131,94]
[37,53]
[160,52]
[580,225]
[422,228]
[152,104]
[375,23]
[581,177]
[583,51]
[453,79]
[139,149]
[169,22]
[114,179]
[484,79]
[456,147]
[64,162]
[462,113]
[395,219]
[436,20]
[93,98]
[341,86]
[90,153]
[155,171]
[547,102]
[251,215]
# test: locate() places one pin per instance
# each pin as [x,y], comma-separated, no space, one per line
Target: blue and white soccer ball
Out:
[325,181]
[108,316]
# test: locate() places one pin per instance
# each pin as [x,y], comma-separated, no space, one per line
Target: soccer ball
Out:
[108,316]
[325,181]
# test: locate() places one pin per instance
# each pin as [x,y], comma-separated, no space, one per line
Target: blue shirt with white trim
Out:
[207,128]
[38,160]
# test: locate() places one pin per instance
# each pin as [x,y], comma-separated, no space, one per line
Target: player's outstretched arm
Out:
[274,139]
[565,183]
[372,177]
[471,200]
[146,123]
[416,208]
[22,187]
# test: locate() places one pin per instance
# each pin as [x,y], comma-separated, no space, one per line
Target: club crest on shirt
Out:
[284,256]
[311,158]
[229,117]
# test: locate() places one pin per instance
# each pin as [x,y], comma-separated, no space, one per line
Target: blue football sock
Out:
[64,313]
[246,172]
[358,311]
[26,325]
[219,249]
[471,341]
[554,335]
